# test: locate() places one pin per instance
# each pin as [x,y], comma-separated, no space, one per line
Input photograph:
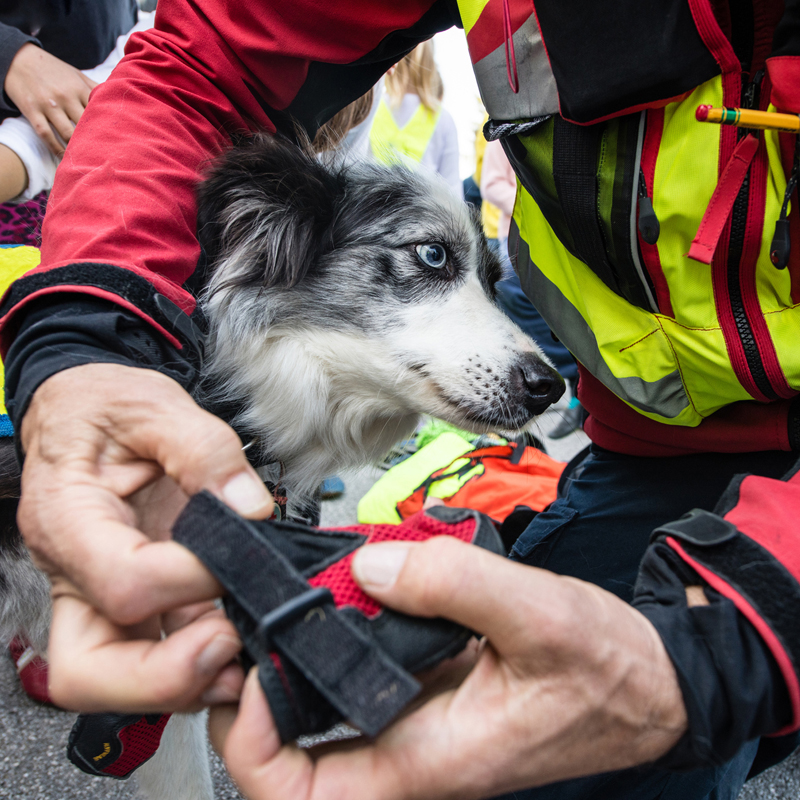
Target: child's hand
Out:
[50,94]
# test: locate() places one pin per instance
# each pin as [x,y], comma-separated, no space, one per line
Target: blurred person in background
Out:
[43,48]
[410,124]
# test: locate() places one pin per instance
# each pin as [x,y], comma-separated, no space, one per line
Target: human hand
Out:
[112,454]
[571,681]
[49,93]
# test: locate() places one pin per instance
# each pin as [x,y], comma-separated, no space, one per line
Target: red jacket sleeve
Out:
[121,219]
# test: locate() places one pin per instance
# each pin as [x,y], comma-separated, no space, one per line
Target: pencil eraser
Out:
[702,113]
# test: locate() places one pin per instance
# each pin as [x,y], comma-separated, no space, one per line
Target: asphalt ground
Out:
[33,738]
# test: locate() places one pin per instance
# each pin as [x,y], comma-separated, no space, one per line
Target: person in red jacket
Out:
[101,347]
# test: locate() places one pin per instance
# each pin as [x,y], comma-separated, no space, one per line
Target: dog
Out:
[342,303]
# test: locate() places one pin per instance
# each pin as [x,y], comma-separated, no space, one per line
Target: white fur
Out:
[331,372]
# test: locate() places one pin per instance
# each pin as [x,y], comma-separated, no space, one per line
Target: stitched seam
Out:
[678,365]
[633,344]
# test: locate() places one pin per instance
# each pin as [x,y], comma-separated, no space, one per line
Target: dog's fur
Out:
[329,336]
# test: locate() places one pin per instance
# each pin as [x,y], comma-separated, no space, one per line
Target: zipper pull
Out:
[648,224]
[781,245]
[749,97]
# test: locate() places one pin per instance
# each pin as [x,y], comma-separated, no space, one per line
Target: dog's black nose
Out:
[540,385]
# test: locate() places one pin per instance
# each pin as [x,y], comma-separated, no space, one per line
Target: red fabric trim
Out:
[719,208]
[95,292]
[722,301]
[186,301]
[767,512]
[487,34]
[654,130]
[747,275]
[655,104]
[766,633]
[784,73]
[713,36]
[139,743]
[722,50]
[419,528]
[738,428]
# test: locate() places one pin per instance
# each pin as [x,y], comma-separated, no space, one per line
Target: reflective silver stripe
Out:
[537,86]
[665,397]
[634,220]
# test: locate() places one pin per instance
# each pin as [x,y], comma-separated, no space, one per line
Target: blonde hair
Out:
[330,135]
[416,74]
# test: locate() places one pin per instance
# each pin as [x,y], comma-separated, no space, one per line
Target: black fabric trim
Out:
[793,423]
[121,282]
[328,88]
[732,688]
[761,580]
[635,52]
[700,527]
[786,41]
[730,497]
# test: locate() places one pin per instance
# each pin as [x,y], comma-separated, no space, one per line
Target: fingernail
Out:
[379,565]
[245,494]
[217,695]
[218,652]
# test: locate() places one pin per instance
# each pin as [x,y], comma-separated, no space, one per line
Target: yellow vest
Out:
[14,263]
[679,346]
[490,215]
[394,145]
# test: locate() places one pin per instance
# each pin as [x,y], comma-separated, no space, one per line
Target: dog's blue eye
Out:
[432,255]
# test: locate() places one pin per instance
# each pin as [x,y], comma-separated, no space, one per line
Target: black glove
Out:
[738,658]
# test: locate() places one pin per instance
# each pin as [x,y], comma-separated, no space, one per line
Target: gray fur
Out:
[329,336]
[24,599]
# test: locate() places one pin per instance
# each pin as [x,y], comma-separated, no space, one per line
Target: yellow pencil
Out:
[747,118]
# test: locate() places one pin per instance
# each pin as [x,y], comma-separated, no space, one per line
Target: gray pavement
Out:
[33,738]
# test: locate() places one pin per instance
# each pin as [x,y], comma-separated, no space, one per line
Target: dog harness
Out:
[325,650]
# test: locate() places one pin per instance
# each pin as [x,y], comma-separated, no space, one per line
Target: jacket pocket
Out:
[535,544]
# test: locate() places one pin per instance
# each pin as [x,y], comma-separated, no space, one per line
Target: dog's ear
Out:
[267,207]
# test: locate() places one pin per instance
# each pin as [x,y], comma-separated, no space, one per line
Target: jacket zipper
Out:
[736,245]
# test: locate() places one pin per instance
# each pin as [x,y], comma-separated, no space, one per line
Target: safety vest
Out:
[392,145]
[15,261]
[642,235]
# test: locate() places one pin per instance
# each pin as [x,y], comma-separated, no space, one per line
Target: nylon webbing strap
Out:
[351,672]
[575,153]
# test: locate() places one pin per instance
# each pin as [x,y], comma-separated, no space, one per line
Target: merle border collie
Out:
[343,302]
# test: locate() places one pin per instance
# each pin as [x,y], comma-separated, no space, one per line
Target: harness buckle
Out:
[290,610]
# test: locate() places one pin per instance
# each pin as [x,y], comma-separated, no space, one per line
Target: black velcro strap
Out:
[698,527]
[347,668]
[757,576]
